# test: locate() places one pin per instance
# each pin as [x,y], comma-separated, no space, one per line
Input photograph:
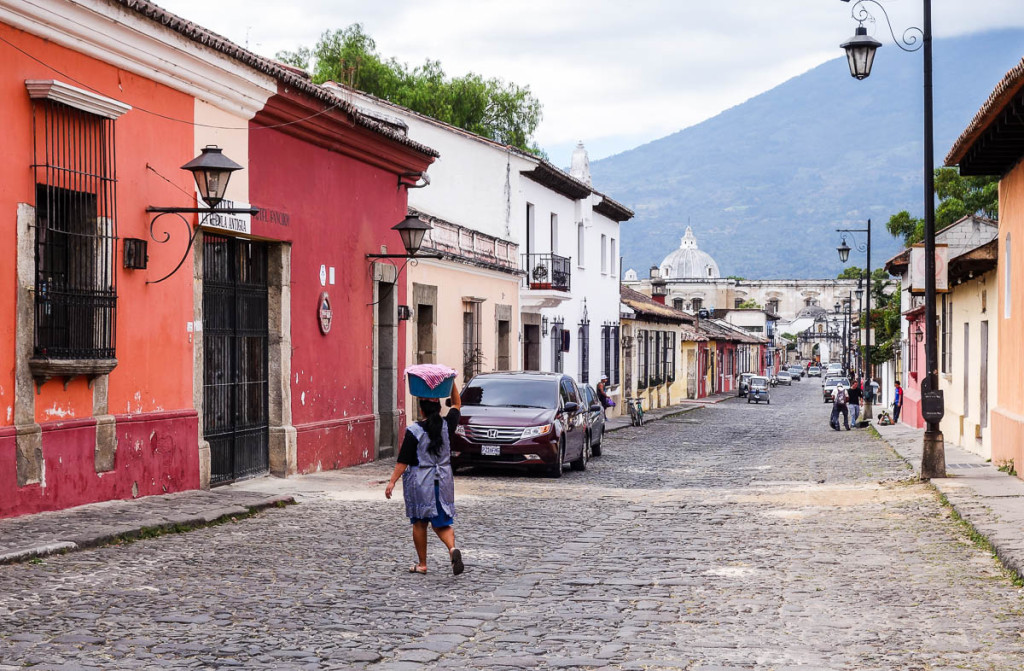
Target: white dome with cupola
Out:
[689,262]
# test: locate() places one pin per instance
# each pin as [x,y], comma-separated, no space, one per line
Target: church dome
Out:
[688,262]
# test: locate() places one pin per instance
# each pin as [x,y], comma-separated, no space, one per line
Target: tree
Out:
[879,279]
[493,108]
[749,303]
[958,196]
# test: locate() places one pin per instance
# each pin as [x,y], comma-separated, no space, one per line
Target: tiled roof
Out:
[1003,94]
[282,73]
[644,305]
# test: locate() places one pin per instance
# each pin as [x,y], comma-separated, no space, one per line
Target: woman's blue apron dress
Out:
[422,497]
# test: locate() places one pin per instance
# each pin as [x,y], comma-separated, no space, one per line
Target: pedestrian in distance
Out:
[839,401]
[428,483]
[602,396]
[854,400]
[897,403]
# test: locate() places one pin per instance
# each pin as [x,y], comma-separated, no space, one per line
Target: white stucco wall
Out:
[598,288]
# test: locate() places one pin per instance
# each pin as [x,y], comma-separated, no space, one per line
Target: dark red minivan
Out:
[523,419]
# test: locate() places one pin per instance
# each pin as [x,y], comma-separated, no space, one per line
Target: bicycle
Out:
[636,411]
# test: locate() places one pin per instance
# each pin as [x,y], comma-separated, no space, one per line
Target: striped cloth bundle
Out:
[431,373]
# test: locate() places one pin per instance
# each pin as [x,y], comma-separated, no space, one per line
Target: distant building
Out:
[693,281]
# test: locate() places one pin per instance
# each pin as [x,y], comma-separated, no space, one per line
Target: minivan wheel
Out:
[581,463]
[556,470]
[595,448]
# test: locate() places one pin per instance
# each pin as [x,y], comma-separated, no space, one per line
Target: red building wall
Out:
[339,209]
[150,391]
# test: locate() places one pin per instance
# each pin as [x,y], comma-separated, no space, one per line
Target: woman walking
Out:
[428,484]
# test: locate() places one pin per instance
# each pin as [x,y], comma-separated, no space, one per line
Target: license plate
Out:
[490,450]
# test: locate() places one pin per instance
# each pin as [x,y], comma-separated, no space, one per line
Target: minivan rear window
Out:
[511,393]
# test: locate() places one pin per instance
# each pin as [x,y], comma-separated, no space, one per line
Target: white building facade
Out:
[564,236]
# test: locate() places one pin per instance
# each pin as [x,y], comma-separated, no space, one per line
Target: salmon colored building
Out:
[152,352]
[993,144]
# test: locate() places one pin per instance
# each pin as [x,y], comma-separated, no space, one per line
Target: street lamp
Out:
[844,255]
[933,455]
[211,170]
[844,251]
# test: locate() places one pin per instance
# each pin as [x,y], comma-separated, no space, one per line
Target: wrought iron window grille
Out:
[75,302]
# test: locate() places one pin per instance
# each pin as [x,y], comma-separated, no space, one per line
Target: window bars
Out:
[76,232]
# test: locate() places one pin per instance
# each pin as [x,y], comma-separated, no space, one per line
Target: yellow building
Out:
[993,144]
[968,348]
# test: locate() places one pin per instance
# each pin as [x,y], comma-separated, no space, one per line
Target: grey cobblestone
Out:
[732,537]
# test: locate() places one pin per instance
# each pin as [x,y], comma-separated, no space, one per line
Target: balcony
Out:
[547,271]
[547,280]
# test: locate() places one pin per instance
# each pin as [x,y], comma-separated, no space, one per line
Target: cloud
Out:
[603,69]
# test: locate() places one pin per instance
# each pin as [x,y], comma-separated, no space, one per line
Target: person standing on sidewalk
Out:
[854,401]
[428,483]
[897,403]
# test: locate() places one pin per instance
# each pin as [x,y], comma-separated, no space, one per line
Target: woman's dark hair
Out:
[434,424]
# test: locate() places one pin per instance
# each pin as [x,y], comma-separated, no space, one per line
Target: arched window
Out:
[677,303]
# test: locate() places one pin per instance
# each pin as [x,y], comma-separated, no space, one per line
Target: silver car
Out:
[784,377]
[830,386]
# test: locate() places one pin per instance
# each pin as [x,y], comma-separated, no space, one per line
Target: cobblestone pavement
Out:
[732,537]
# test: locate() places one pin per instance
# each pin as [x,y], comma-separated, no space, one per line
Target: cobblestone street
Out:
[735,536]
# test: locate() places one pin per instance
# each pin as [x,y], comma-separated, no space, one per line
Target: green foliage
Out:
[885,322]
[735,277]
[852,273]
[958,197]
[749,303]
[493,108]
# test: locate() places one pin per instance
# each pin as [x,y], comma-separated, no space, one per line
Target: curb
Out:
[1006,551]
[145,530]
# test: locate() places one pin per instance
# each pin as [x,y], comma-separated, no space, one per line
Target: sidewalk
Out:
[986,498]
[30,536]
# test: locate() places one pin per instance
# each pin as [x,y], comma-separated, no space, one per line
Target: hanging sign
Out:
[324,313]
[917,274]
[235,223]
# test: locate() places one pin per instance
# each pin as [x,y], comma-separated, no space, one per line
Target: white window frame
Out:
[614,257]
[604,254]
[580,244]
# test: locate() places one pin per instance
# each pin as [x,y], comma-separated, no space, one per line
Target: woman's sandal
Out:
[415,568]
[457,565]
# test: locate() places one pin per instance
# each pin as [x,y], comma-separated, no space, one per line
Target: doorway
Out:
[386,365]
[531,347]
[235,353]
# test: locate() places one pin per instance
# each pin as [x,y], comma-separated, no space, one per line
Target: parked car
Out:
[796,371]
[830,386]
[784,377]
[595,419]
[834,369]
[814,371]
[741,383]
[758,390]
[523,419]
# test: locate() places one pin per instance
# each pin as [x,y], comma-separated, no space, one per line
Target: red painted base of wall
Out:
[328,446]
[157,453]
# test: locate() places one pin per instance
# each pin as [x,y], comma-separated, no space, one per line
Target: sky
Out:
[612,73]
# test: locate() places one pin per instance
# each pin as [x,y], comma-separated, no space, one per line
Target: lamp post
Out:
[859,292]
[844,255]
[860,54]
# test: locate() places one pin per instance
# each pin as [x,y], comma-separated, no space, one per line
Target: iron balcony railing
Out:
[547,271]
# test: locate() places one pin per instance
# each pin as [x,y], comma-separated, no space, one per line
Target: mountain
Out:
[764,184]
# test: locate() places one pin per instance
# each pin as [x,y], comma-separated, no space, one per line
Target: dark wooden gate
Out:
[235,357]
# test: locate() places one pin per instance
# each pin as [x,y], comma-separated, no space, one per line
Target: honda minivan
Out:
[527,420]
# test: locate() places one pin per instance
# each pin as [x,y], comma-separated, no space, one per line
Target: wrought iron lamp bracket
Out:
[912,39]
[852,232]
[193,231]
